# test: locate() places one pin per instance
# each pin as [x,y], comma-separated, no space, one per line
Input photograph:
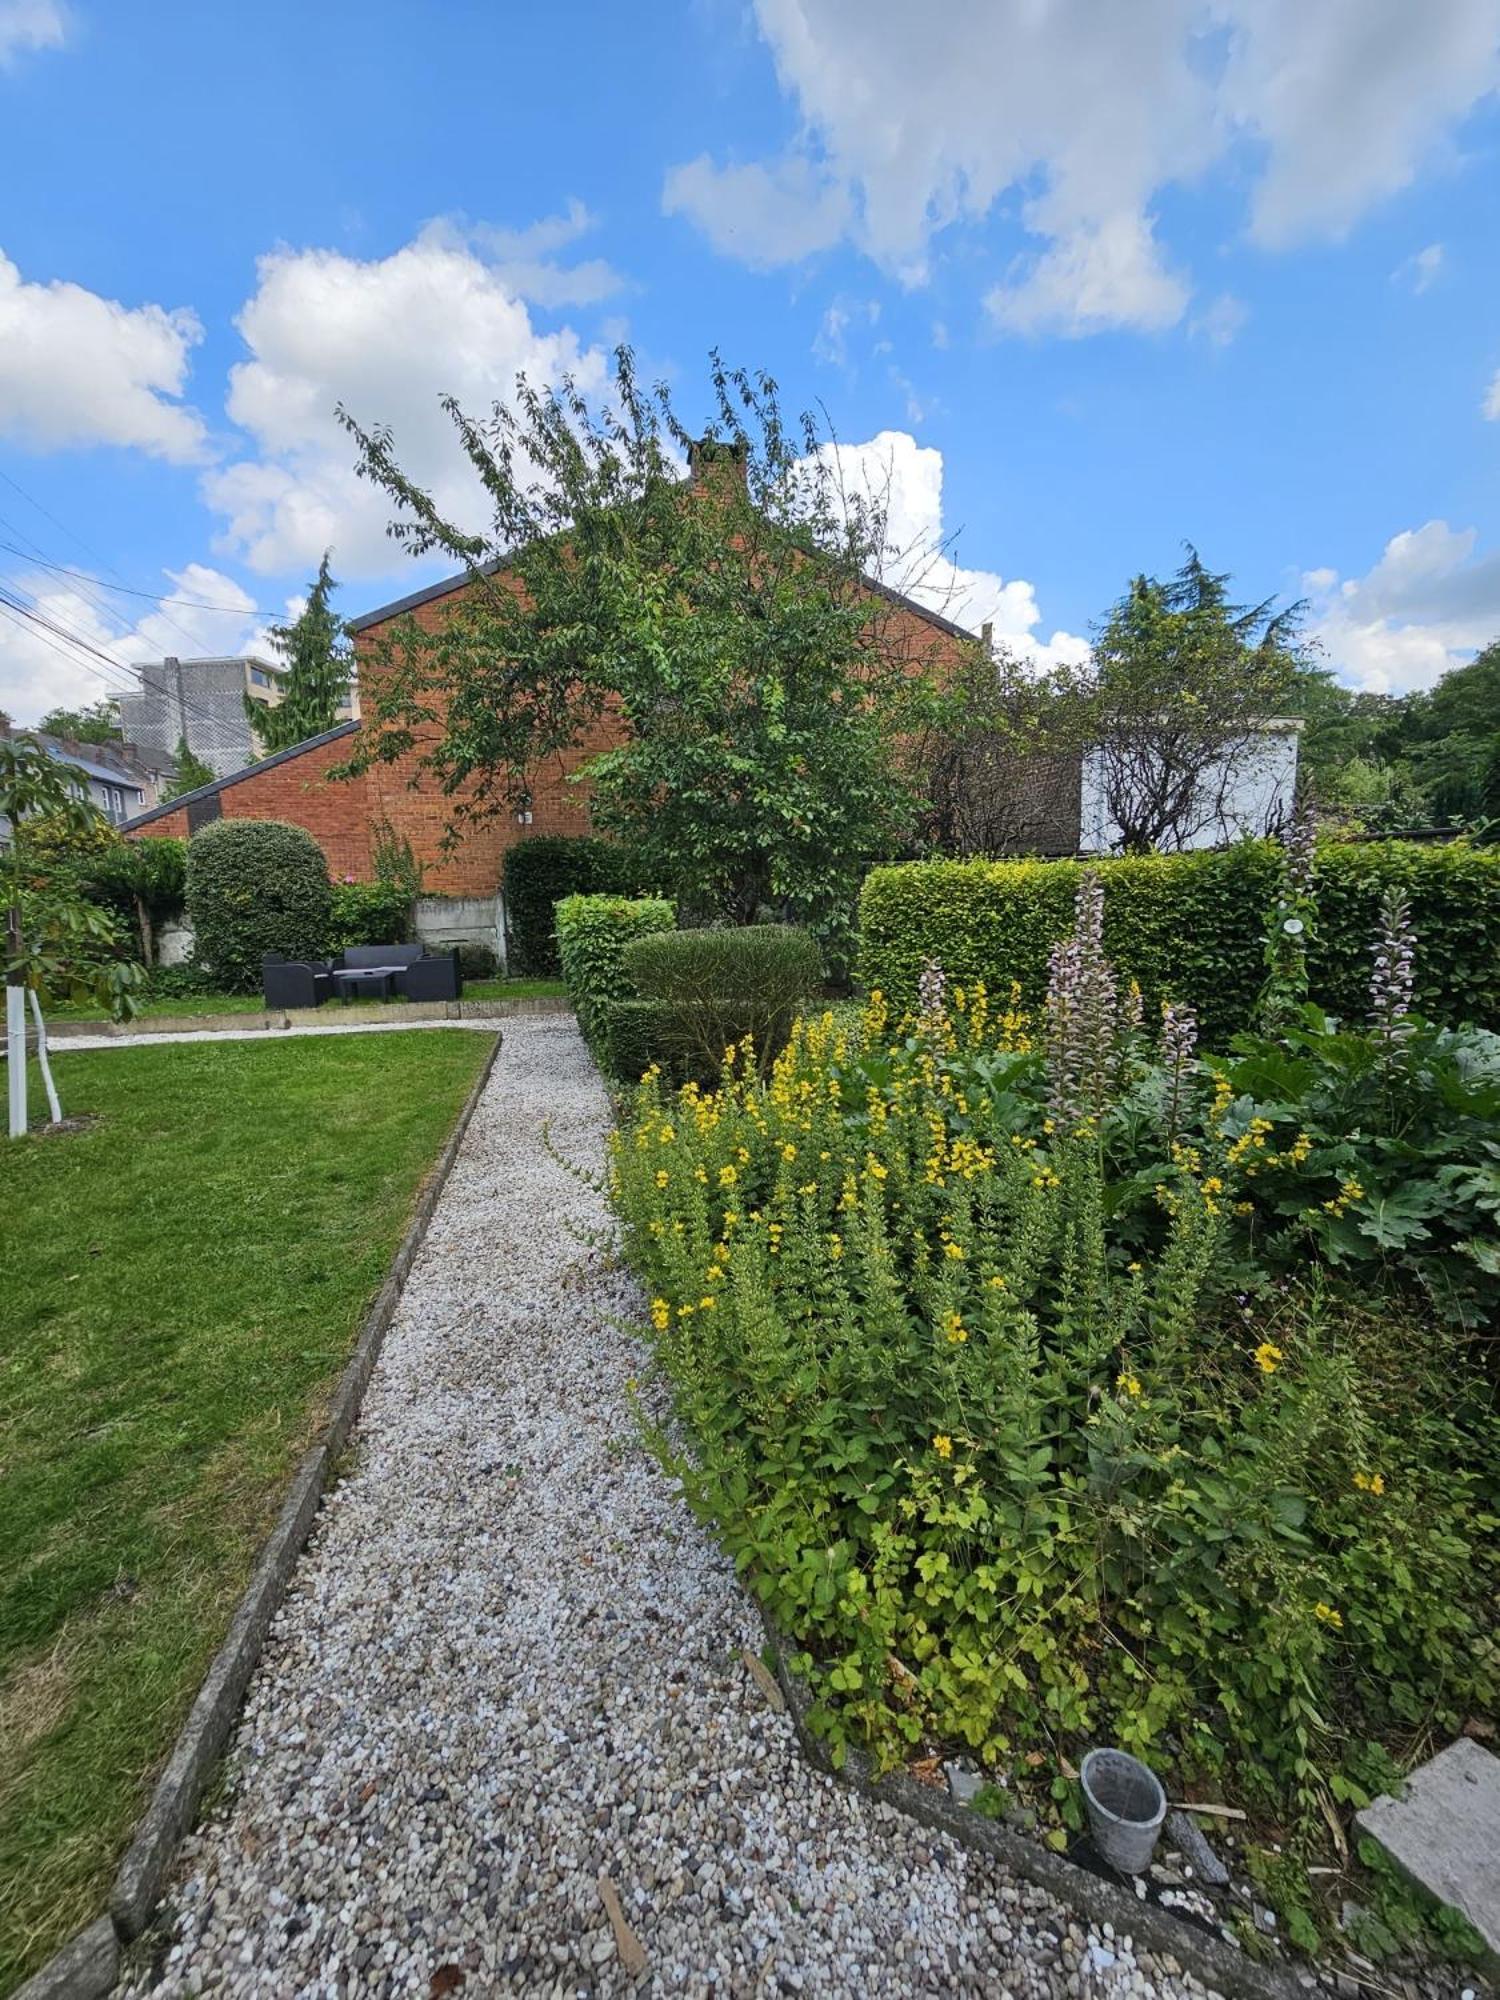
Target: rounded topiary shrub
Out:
[255,886]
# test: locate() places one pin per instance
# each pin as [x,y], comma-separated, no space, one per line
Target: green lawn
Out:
[253,1003]
[179,1287]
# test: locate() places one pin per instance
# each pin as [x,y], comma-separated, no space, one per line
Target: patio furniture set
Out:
[363,972]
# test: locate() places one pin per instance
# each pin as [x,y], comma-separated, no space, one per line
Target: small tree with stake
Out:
[54,936]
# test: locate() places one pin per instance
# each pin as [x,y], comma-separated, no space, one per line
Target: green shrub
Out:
[715,987]
[1191,926]
[477,960]
[539,873]
[369,913]
[180,982]
[255,886]
[592,934]
[631,1036]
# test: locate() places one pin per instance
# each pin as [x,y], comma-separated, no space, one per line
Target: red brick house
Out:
[462,886]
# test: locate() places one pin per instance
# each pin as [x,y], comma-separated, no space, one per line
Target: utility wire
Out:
[127,590]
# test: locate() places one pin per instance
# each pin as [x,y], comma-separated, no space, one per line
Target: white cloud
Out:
[40,670]
[30,24]
[526,260]
[911,120]
[764,215]
[1097,276]
[1421,270]
[385,338]
[78,369]
[905,480]
[1492,400]
[1427,605]
[1221,320]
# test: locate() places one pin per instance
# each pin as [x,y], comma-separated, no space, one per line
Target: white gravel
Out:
[511,1660]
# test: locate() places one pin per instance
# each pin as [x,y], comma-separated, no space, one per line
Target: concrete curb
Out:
[1208,1958]
[88,1964]
[387,1014]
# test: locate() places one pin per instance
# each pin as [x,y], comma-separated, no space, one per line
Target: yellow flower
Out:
[835,1247]
[943,1446]
[789,1151]
[1129,1383]
[661,1314]
[727,1177]
[955,1251]
[1268,1357]
[955,1329]
[707,1303]
[1134,1270]
[715,1274]
[997,1284]
[1370,1482]
[1328,1615]
[663,1178]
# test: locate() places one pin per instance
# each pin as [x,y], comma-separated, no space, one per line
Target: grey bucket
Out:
[1126,1806]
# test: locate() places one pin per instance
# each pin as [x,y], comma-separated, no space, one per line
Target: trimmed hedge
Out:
[1192,926]
[592,935]
[254,886]
[712,988]
[539,873]
[369,913]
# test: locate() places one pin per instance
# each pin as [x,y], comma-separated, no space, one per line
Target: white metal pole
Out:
[15,1050]
[41,1055]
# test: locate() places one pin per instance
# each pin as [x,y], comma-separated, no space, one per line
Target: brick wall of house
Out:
[342,816]
[297,789]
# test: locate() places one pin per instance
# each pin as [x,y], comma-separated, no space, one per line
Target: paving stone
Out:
[1445,1832]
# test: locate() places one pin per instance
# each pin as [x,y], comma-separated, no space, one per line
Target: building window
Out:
[259,677]
[114,803]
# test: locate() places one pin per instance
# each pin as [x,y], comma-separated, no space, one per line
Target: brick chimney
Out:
[714,460]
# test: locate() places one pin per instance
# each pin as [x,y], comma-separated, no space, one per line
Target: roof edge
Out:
[238,777]
[447,585]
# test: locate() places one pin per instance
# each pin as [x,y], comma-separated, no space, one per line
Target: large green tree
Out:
[1180,677]
[726,620]
[318,663]
[98,723]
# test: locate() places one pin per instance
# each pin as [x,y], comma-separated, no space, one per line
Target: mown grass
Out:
[180,1284]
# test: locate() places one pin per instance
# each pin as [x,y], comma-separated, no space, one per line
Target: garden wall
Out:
[1192,926]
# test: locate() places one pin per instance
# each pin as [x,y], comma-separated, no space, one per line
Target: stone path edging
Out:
[278,1020]
[88,1965]
[1216,1963]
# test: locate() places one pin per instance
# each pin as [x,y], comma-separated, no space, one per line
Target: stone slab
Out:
[1445,1833]
[84,1969]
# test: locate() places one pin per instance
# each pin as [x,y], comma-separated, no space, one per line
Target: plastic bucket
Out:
[1126,1806]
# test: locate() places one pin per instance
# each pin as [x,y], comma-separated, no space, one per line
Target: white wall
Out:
[1263,785]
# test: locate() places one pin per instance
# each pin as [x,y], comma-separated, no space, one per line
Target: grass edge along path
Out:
[183,1283]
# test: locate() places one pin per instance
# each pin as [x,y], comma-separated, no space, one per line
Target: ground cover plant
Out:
[1022,1374]
[182,1282]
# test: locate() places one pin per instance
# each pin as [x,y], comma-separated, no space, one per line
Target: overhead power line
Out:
[128,590]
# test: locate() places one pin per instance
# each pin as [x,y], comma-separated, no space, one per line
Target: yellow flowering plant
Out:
[984,1412]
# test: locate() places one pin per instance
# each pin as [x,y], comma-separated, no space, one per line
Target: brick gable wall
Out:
[343,815]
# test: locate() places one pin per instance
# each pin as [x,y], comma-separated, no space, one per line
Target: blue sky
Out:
[1082,282]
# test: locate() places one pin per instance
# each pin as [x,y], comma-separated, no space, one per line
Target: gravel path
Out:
[511,1660]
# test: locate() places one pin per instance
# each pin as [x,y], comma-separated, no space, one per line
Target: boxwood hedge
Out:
[1192,926]
[592,934]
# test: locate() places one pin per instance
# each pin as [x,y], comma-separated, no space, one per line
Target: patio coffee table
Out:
[379,980]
